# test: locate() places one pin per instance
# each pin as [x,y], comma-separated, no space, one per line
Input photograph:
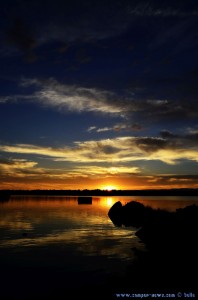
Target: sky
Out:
[98,94]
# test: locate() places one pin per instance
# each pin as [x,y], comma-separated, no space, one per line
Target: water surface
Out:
[46,234]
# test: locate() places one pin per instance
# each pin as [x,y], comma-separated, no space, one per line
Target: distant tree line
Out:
[98,192]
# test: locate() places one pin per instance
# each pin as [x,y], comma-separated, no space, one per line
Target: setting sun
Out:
[109,188]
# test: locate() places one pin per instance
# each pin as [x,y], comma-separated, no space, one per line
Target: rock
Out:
[171,247]
[158,227]
[115,214]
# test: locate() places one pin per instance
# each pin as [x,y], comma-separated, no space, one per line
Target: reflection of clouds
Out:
[76,230]
[113,245]
[90,242]
[84,230]
[15,225]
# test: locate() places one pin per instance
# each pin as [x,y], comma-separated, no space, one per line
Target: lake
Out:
[50,245]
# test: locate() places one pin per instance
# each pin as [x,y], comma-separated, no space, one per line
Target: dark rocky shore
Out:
[168,263]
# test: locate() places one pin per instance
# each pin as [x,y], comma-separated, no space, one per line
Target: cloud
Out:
[84,21]
[20,36]
[104,129]
[189,137]
[97,171]
[157,9]
[174,156]
[171,149]
[22,168]
[64,21]
[116,150]
[174,180]
[73,98]
[98,151]
[80,99]
[151,144]
[192,131]
[5,99]
[91,128]
[18,167]
[18,163]
[167,134]
[118,127]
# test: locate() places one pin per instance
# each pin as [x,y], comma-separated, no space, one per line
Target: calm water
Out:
[56,233]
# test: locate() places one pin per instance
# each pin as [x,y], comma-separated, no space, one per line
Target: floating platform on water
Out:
[85,200]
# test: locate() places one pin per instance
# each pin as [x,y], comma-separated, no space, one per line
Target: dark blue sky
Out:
[98,93]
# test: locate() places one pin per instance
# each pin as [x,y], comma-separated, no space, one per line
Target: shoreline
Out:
[97,192]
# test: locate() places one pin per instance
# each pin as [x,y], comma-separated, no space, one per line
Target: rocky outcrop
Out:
[171,246]
[157,227]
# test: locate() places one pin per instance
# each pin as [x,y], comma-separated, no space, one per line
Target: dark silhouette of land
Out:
[169,260]
[98,192]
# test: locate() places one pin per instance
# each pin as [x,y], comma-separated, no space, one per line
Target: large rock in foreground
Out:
[171,246]
[157,227]
[131,214]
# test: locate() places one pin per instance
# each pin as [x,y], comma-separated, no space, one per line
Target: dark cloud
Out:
[137,109]
[66,21]
[151,144]
[167,134]
[107,149]
[188,140]
[156,111]
[167,8]
[167,141]
[4,161]
[174,180]
[125,127]
[70,21]
[20,36]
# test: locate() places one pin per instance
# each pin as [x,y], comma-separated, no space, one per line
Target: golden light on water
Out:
[106,202]
[109,201]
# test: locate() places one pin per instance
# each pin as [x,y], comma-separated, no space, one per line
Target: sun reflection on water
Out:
[109,201]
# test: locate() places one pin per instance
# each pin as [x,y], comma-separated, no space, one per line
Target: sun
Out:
[109,188]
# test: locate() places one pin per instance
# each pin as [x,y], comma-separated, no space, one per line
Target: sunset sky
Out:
[98,94]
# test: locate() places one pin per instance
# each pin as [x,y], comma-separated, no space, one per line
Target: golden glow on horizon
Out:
[109,188]
[103,168]
[102,183]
